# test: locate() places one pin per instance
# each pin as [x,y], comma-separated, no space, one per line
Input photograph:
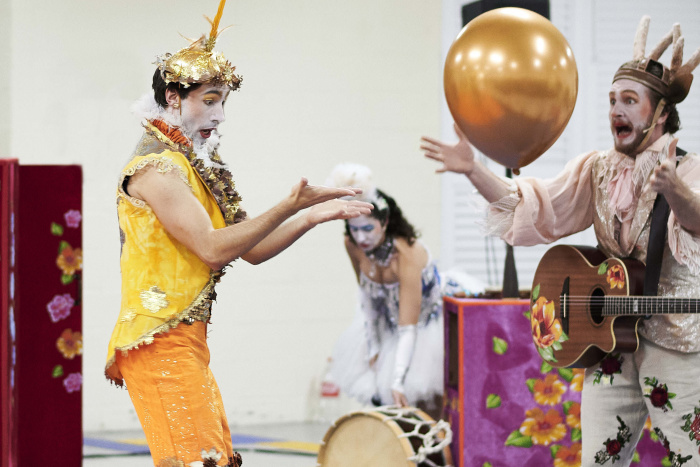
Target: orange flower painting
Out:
[616,277]
[70,260]
[568,456]
[70,344]
[546,329]
[573,415]
[577,381]
[542,428]
[548,391]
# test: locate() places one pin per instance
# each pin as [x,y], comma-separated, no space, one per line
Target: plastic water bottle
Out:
[329,396]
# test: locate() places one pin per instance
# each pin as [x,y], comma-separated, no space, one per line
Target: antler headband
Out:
[672,83]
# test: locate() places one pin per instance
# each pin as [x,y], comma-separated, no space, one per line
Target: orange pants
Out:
[176,397]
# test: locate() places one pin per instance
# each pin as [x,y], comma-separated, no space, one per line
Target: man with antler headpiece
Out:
[181,224]
[616,191]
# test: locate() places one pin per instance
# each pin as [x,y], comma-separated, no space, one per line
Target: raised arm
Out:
[459,158]
[183,216]
[289,232]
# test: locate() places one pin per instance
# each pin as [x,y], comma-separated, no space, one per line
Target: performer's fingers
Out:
[435,157]
[432,141]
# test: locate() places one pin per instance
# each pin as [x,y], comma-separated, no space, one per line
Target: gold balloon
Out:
[511,84]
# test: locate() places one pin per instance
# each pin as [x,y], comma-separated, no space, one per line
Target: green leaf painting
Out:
[493,401]
[545,368]
[67,278]
[531,383]
[566,373]
[575,434]
[62,246]
[603,268]
[56,229]
[519,440]
[499,346]
[554,449]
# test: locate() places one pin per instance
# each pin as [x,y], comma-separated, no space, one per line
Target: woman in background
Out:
[393,351]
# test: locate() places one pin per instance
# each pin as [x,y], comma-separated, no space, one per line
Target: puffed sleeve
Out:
[544,210]
[684,245]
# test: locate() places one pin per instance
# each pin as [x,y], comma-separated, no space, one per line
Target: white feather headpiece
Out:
[356,175]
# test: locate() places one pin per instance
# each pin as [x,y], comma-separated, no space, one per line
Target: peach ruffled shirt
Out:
[540,211]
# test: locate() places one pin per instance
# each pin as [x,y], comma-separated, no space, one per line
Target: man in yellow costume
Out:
[180,225]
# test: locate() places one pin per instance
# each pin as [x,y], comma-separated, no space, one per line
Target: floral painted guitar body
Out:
[585,306]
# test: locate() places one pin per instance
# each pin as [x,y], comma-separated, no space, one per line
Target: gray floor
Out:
[306,432]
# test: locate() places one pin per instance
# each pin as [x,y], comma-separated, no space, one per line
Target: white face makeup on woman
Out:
[367,232]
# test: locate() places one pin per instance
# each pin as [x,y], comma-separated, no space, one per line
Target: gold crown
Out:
[199,63]
[672,83]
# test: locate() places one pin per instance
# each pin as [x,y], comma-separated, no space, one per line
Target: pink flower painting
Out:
[60,306]
[73,382]
[73,218]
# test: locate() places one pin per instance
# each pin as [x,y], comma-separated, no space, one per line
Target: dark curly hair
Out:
[160,86]
[397,225]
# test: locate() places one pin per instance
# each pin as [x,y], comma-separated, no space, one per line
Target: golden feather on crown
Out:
[199,63]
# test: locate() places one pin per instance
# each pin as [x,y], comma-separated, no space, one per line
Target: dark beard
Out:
[631,149]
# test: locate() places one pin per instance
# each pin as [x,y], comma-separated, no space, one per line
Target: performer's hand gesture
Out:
[458,157]
[338,209]
[664,179]
[304,195]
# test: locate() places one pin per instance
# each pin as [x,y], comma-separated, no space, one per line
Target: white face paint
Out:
[203,111]
[630,115]
[367,232]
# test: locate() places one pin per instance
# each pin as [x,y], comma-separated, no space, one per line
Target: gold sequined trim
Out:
[194,312]
[153,299]
[156,133]
[162,164]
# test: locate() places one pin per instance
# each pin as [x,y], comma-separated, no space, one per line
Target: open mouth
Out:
[206,133]
[622,130]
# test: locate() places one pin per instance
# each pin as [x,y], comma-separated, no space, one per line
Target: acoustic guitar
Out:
[584,305]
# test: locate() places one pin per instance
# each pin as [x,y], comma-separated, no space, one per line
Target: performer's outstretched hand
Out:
[338,209]
[304,195]
[458,157]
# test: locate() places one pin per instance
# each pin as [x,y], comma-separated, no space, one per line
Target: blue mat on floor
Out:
[240,442]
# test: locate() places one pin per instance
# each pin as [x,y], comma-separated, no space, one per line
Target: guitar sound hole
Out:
[596,306]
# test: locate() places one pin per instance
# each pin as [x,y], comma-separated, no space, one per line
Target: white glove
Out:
[404,354]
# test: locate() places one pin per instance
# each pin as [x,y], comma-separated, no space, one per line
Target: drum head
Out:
[364,439]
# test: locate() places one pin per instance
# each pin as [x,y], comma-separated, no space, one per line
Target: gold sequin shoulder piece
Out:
[163,164]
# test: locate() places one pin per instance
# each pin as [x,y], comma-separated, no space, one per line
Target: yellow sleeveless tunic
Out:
[163,282]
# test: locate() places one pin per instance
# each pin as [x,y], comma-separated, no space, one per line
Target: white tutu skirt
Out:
[424,380]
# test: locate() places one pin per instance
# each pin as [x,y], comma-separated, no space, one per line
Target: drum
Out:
[387,437]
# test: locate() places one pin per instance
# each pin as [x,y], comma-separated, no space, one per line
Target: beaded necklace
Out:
[217,177]
[381,255]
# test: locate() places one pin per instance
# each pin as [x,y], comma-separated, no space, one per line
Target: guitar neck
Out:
[640,305]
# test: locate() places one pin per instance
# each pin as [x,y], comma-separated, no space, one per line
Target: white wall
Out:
[324,82]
